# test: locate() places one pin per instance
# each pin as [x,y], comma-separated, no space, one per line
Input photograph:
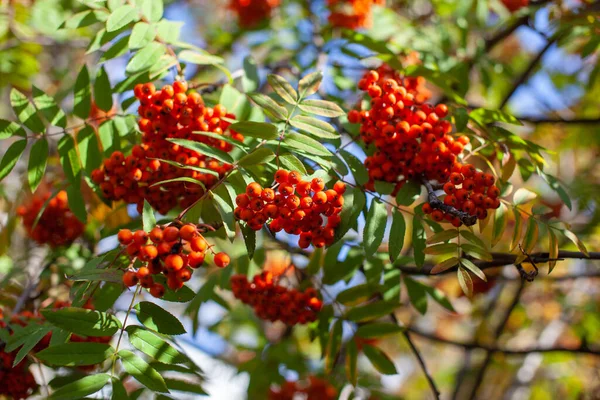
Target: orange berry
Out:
[242,200]
[317,184]
[156,235]
[195,259]
[148,253]
[180,87]
[281,176]
[184,275]
[125,236]
[157,290]
[173,283]
[140,237]
[170,234]
[198,243]
[188,232]
[130,279]
[174,262]
[340,187]
[222,260]
[319,198]
[254,190]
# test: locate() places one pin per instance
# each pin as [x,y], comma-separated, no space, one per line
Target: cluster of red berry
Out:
[351,14]
[302,214]
[515,5]
[467,190]
[57,226]
[252,12]
[412,140]
[166,114]
[172,251]
[273,302]
[314,389]
[15,382]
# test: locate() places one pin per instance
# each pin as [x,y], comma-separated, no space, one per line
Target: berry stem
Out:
[436,203]
[114,357]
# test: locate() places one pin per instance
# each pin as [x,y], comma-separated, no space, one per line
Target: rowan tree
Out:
[362,199]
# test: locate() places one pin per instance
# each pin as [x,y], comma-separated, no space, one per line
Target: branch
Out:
[436,203]
[528,71]
[583,349]
[500,260]
[576,121]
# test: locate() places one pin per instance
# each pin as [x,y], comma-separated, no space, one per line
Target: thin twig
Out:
[436,203]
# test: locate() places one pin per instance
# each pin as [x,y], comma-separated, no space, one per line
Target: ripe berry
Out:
[130,278]
[188,232]
[222,260]
[157,290]
[125,236]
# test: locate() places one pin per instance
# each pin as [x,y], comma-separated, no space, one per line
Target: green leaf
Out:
[76,202]
[82,321]
[468,264]
[251,79]
[484,116]
[81,387]
[444,265]
[76,353]
[85,18]
[419,239]
[26,112]
[259,130]
[103,91]
[9,129]
[116,49]
[443,236]
[321,107]
[249,240]
[359,172]
[354,202]
[356,294]
[314,126]
[204,149]
[374,227]
[465,281]
[371,311]
[552,250]
[182,295]
[169,31]
[82,100]
[48,107]
[442,248]
[142,372]
[408,193]
[380,360]
[185,386]
[292,163]
[500,221]
[31,340]
[259,156]
[145,58]
[384,188]
[120,18]
[38,158]
[270,106]
[351,362]
[158,319]
[69,159]
[306,144]
[141,35]
[531,235]
[416,294]
[283,88]
[148,218]
[516,229]
[573,238]
[523,196]
[154,346]
[397,233]
[333,345]
[309,84]
[193,57]
[461,118]
[476,251]
[152,9]
[378,330]
[224,205]
[471,237]
[89,151]
[118,390]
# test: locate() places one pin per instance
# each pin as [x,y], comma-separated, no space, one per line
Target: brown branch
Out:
[528,71]
[488,357]
[583,349]
[574,121]
[501,260]
[437,204]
